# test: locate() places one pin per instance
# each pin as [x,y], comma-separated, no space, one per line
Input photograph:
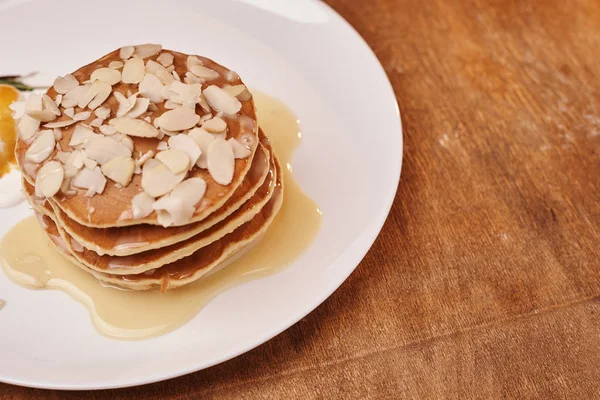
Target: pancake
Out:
[111,207]
[124,241]
[152,259]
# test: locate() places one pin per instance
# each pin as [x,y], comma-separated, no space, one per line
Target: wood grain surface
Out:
[485,281]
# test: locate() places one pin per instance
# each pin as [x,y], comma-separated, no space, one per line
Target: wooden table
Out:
[485,282]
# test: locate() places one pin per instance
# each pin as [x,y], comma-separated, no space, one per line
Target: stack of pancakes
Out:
[147,167]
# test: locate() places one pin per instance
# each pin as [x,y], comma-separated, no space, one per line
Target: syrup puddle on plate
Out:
[30,260]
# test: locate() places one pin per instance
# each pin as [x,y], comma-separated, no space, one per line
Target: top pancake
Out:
[112,208]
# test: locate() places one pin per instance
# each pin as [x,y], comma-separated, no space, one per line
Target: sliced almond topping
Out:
[203,72]
[102,149]
[73,163]
[147,50]
[102,112]
[234,90]
[49,105]
[176,76]
[144,157]
[96,122]
[162,146]
[90,179]
[133,71]
[140,107]
[165,59]
[204,104]
[215,125]
[125,103]
[185,94]
[82,116]
[152,88]
[191,79]
[49,179]
[141,205]
[239,150]
[42,147]
[169,105]
[57,134]
[81,135]
[220,100]
[176,160]
[119,169]
[59,124]
[177,207]
[41,115]
[106,75]
[58,100]
[70,112]
[116,64]
[193,61]
[96,95]
[186,144]
[89,163]
[221,161]
[203,139]
[157,178]
[108,130]
[127,141]
[74,96]
[161,72]
[134,127]
[64,84]
[29,126]
[126,52]
[178,119]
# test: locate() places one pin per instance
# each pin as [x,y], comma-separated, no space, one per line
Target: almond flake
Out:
[119,169]
[176,76]
[81,135]
[177,207]
[141,205]
[159,71]
[58,100]
[64,84]
[134,127]
[186,144]
[234,90]
[108,130]
[89,163]
[74,96]
[59,124]
[165,59]
[239,150]
[126,140]
[125,103]
[137,170]
[221,161]
[102,112]
[176,160]
[73,163]
[70,112]
[215,125]
[126,52]
[106,75]
[220,100]
[49,105]
[57,134]
[49,179]
[152,88]
[102,149]
[82,116]
[162,146]
[169,105]
[96,95]
[203,72]
[171,69]
[147,50]
[41,115]
[204,104]
[28,126]
[90,179]
[203,139]
[42,147]
[116,64]
[140,107]
[178,119]
[144,157]
[193,61]
[133,71]
[97,122]
[148,119]
[192,79]
[157,178]
[185,94]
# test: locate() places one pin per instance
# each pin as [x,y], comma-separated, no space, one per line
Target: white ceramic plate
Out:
[301,52]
